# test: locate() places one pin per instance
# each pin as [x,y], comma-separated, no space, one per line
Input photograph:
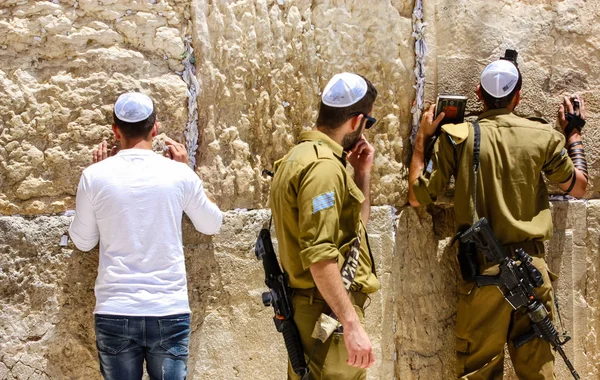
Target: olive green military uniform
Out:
[512,195]
[316,211]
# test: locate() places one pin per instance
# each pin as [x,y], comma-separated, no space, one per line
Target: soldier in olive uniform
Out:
[318,210]
[512,195]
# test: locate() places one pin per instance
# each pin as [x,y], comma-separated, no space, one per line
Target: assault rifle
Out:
[517,282]
[280,297]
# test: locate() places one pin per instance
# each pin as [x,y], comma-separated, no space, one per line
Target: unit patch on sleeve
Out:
[323,201]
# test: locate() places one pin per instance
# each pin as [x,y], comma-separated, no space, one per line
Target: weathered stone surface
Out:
[46,322]
[262,65]
[63,66]
[425,294]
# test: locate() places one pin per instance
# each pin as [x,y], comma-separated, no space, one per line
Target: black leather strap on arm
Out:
[573,122]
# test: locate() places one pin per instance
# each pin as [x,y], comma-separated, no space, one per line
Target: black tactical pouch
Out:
[467,259]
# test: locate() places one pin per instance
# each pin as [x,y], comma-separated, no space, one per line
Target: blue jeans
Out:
[124,343]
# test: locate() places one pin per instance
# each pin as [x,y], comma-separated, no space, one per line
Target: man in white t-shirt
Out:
[133,203]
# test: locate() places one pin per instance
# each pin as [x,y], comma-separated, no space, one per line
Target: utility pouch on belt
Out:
[324,327]
[467,260]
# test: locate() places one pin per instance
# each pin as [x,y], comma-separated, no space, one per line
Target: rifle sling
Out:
[349,267]
[476,150]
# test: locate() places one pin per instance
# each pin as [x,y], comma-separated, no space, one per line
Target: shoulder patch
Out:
[277,164]
[458,132]
[538,119]
[323,201]
[322,150]
[429,168]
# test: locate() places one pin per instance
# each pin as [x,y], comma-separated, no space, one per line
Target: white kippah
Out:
[344,90]
[499,78]
[132,107]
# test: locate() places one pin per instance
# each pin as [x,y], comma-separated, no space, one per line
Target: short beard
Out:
[351,139]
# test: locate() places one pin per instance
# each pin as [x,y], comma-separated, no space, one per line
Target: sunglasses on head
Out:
[369,120]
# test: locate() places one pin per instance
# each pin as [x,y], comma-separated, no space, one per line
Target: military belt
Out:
[357,298]
[533,248]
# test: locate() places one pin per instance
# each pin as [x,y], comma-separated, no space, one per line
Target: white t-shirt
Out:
[133,204]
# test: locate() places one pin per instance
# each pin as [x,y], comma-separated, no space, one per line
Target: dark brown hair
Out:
[137,129]
[333,117]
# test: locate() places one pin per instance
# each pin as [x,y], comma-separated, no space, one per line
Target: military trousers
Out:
[485,322]
[328,361]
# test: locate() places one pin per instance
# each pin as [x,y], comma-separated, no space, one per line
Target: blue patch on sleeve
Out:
[429,168]
[323,202]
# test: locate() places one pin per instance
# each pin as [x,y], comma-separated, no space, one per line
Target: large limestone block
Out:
[425,294]
[588,306]
[262,65]
[46,322]
[47,299]
[425,289]
[554,40]
[63,66]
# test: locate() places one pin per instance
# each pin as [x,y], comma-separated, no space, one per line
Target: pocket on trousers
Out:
[462,352]
[112,334]
[175,335]
[465,287]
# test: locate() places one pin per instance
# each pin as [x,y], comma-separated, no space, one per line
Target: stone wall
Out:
[260,65]
[63,65]
[46,323]
[46,303]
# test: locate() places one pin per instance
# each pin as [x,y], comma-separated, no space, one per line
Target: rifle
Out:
[280,297]
[517,282]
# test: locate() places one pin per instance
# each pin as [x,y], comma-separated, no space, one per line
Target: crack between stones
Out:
[35,370]
[420,49]
[189,77]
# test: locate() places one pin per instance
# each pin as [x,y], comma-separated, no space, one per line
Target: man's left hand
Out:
[361,156]
[567,107]
[428,125]
[101,152]
[176,151]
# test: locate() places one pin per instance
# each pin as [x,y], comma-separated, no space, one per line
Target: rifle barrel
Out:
[567,362]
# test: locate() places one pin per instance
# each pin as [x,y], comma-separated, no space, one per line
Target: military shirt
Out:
[316,211]
[511,192]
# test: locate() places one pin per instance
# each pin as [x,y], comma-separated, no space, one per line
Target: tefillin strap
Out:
[578,157]
[476,150]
